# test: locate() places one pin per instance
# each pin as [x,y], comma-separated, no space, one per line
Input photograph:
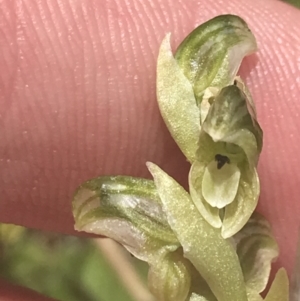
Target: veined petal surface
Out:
[127,210]
[210,55]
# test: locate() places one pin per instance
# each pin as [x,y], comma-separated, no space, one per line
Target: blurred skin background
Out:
[44,61]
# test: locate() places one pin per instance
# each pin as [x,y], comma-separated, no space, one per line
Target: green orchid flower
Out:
[223,180]
[205,244]
[211,115]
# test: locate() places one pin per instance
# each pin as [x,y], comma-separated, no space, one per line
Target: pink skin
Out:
[77,91]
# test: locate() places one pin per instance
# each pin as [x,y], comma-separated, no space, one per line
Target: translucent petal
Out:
[252,111]
[247,142]
[229,120]
[208,97]
[250,103]
[177,102]
[220,185]
[169,277]
[279,290]
[256,252]
[228,113]
[205,155]
[210,214]
[210,56]
[202,244]
[239,211]
[127,210]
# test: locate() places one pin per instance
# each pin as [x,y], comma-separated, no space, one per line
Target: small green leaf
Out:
[211,55]
[127,210]
[169,277]
[177,102]
[202,244]
[279,290]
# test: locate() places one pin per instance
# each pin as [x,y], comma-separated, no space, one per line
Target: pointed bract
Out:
[177,102]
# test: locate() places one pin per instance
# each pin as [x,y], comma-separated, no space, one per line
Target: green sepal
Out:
[177,102]
[210,55]
[127,210]
[169,276]
[201,243]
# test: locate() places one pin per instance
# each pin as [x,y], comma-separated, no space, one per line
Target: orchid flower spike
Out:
[207,244]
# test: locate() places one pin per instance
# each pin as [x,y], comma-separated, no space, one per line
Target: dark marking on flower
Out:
[235,82]
[221,160]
